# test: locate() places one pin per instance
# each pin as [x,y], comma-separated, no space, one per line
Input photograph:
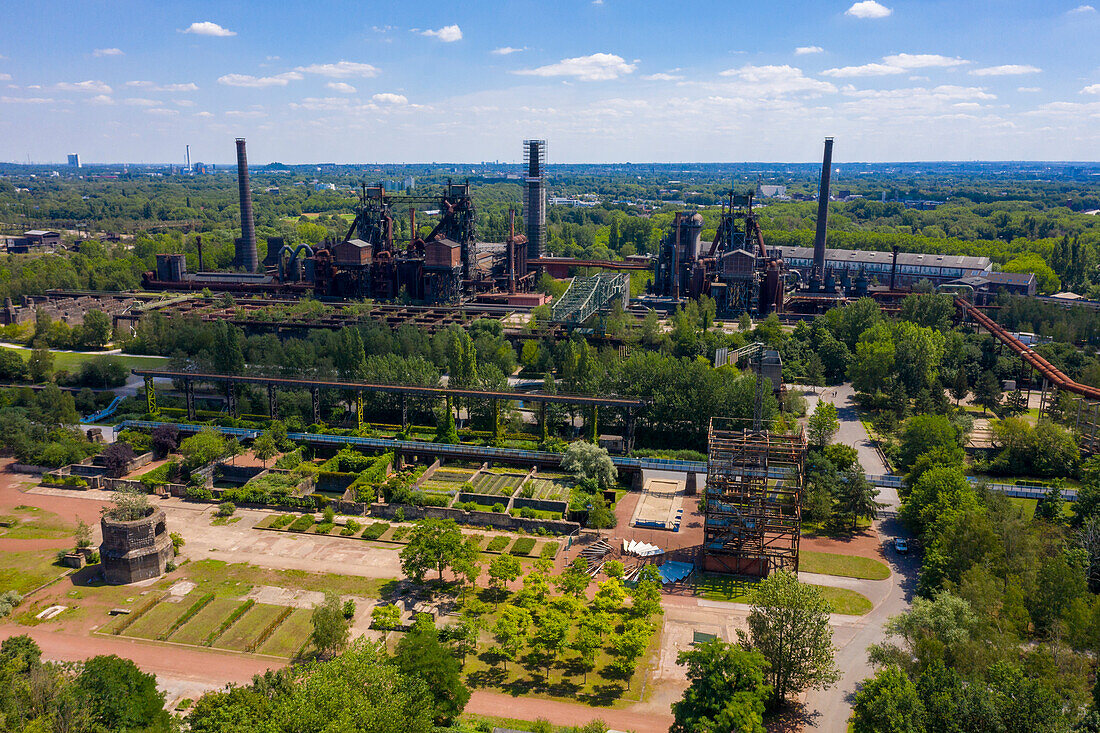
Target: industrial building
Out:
[911,267]
[74,160]
[34,239]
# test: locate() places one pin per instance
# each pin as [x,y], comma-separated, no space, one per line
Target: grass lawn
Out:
[24,571]
[160,617]
[32,523]
[715,587]
[849,566]
[234,580]
[205,621]
[248,627]
[290,636]
[70,362]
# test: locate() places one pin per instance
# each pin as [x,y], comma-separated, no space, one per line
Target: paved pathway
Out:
[828,710]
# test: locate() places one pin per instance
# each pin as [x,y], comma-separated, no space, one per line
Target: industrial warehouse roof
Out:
[1009,278]
[904,258]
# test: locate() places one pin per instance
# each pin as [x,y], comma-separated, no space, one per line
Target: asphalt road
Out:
[828,710]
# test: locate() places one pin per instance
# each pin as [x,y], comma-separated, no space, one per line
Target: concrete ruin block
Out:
[135,550]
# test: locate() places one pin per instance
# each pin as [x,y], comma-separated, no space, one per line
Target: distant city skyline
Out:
[602,81]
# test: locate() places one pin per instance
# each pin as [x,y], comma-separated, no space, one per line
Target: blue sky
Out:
[610,80]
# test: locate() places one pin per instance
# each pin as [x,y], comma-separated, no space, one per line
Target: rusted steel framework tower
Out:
[534,197]
[753,501]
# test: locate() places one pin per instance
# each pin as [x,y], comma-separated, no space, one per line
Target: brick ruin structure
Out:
[135,550]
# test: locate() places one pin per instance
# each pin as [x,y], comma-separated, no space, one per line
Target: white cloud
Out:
[773,81]
[864,70]
[101,99]
[162,112]
[206,28]
[5,77]
[252,113]
[1091,89]
[140,102]
[806,50]
[245,80]
[868,9]
[922,61]
[662,76]
[183,102]
[389,98]
[204,114]
[1028,90]
[341,69]
[1082,9]
[93,86]
[25,100]
[447,34]
[150,86]
[596,67]
[339,86]
[101,52]
[1006,70]
[507,50]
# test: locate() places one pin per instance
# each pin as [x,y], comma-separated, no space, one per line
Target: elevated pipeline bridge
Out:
[587,296]
[628,407]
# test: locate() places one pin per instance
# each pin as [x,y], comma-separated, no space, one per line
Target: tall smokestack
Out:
[534,197]
[247,257]
[188,158]
[823,209]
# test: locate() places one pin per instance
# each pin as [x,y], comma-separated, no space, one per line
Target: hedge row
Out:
[232,619]
[270,629]
[187,616]
[135,615]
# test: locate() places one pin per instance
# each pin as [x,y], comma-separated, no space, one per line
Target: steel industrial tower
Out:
[534,197]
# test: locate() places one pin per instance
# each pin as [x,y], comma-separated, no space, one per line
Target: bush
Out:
[177,541]
[385,618]
[199,493]
[226,509]
[349,609]
[498,508]
[8,601]
[351,527]
[282,520]
[329,514]
[527,512]
[549,550]
[523,546]
[497,544]
[375,530]
[302,523]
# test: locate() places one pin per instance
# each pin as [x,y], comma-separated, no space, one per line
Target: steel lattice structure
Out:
[753,500]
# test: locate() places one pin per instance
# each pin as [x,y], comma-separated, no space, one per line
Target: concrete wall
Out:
[477,519]
[543,505]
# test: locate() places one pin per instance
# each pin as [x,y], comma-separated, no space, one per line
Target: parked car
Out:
[901,545]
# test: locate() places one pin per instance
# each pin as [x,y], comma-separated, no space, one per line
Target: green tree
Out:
[420,655]
[550,636]
[574,580]
[12,366]
[385,617]
[330,628]
[264,448]
[503,569]
[921,434]
[727,691]
[202,448]
[823,424]
[96,330]
[120,697]
[789,625]
[510,631]
[888,703]
[586,642]
[646,594]
[588,461]
[856,498]
[435,544]
[600,515]
[987,392]
[40,364]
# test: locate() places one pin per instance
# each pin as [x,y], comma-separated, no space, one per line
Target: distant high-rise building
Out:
[410,183]
[534,198]
[74,160]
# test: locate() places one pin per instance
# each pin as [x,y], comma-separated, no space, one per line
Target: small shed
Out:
[353,253]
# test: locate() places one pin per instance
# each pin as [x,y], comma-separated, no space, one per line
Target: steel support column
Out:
[628,431]
[272,403]
[189,393]
[594,428]
[150,397]
[544,427]
[231,399]
[358,410]
[315,393]
[404,411]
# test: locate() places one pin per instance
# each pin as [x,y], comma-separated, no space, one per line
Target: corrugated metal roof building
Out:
[912,266]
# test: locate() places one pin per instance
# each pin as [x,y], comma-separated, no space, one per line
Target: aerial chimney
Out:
[823,210]
[534,197]
[246,256]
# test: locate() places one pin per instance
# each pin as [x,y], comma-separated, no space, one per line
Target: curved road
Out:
[828,710]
